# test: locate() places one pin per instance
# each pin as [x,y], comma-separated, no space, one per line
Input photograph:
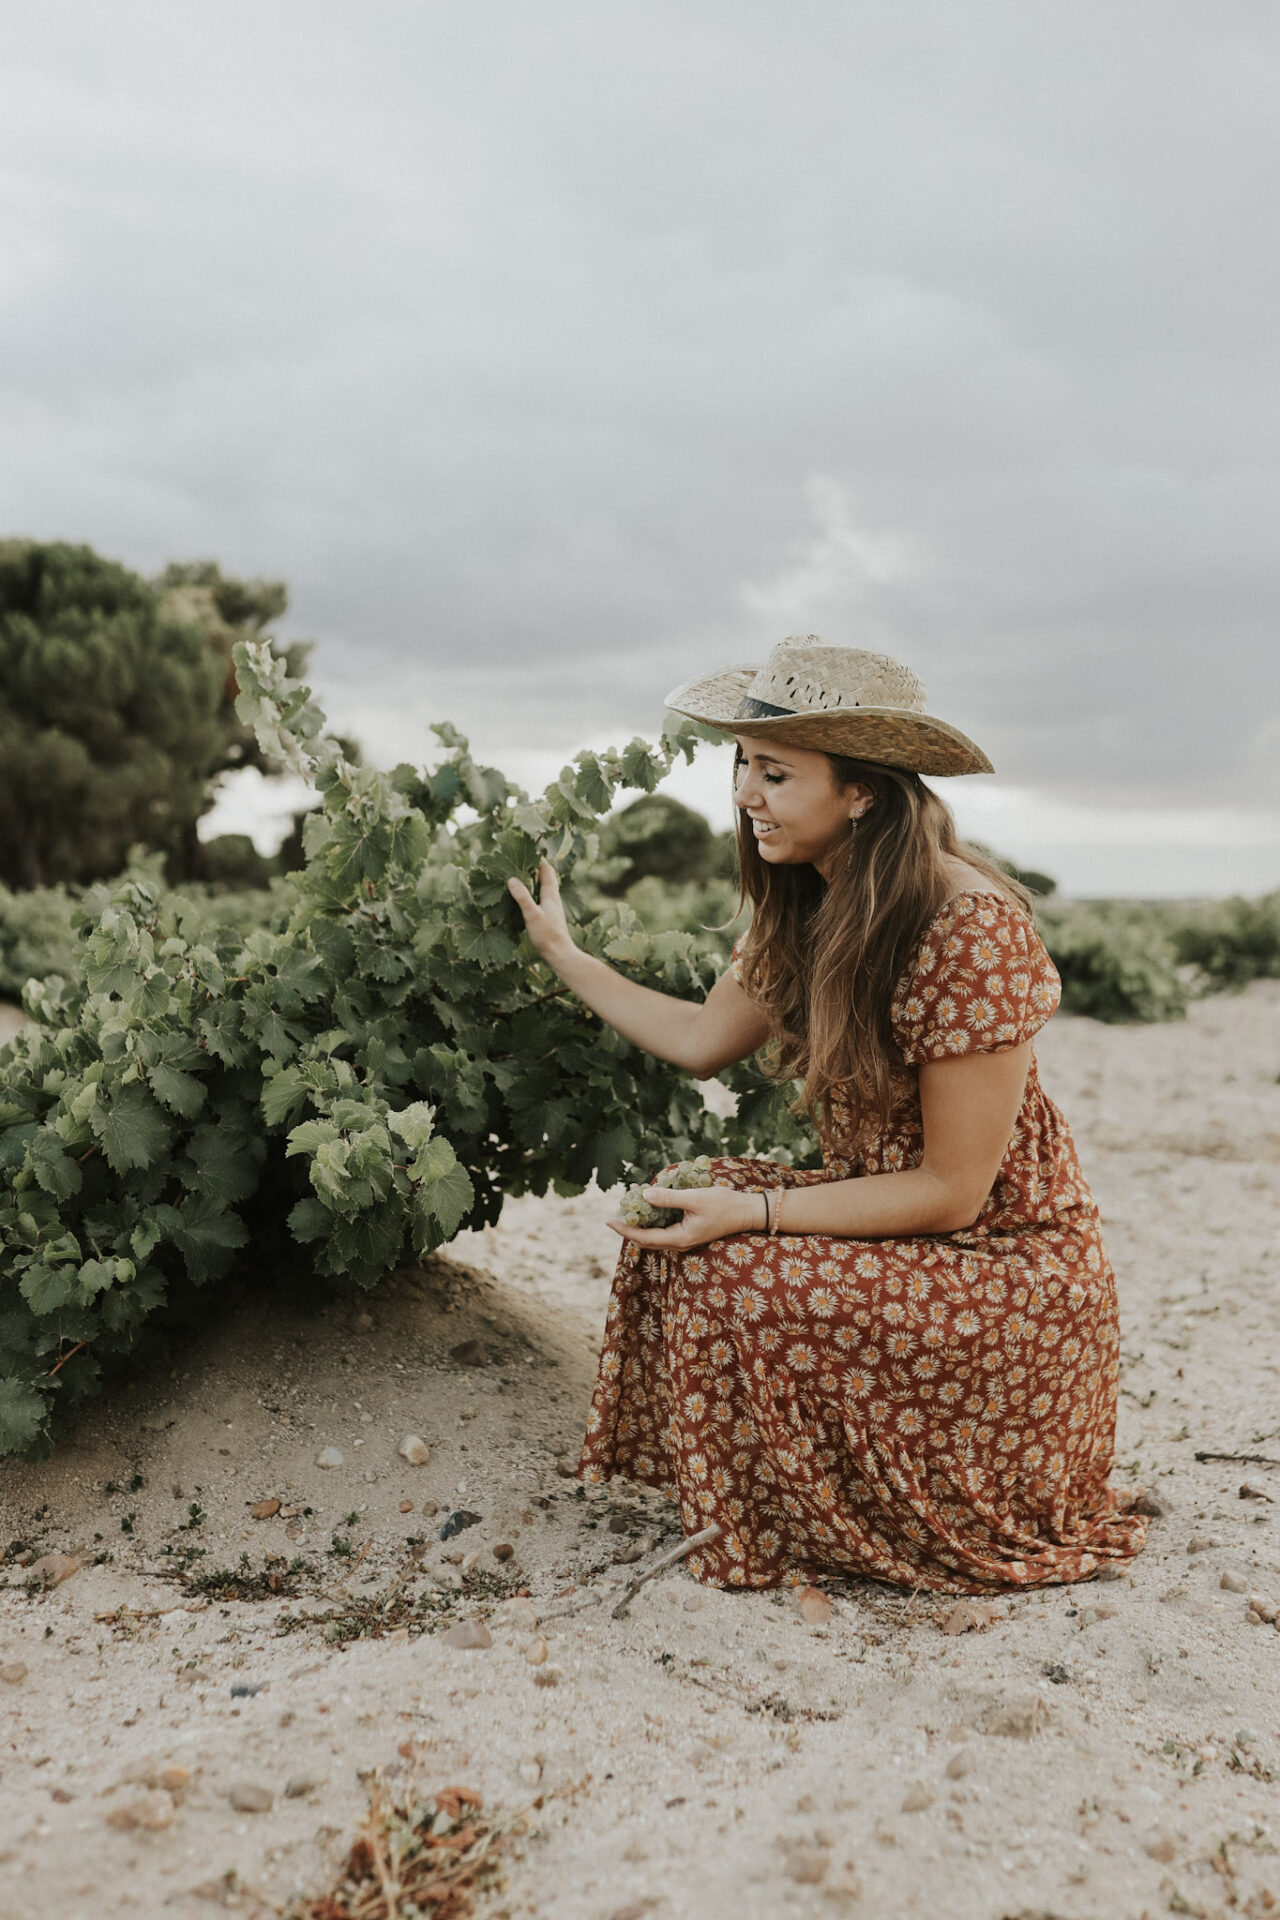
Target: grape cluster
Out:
[636,1211]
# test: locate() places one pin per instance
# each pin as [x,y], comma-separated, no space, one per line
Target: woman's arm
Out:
[968,1105]
[703,1037]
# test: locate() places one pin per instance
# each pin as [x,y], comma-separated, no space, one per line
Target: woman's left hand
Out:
[709,1213]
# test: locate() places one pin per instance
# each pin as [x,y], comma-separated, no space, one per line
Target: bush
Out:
[1117,960]
[341,1089]
[1232,941]
[36,937]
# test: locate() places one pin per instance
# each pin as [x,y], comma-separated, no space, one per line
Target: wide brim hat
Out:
[835,699]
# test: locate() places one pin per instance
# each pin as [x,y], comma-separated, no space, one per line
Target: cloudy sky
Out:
[555,353]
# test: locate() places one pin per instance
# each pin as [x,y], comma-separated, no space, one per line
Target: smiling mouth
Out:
[762,827]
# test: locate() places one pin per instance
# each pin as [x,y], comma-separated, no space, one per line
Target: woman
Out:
[904,1365]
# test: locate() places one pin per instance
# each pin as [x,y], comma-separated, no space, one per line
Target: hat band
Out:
[749,709]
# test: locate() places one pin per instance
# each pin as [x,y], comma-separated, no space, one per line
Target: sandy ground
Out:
[721,1748]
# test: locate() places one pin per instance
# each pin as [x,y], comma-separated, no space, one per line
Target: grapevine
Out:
[342,1089]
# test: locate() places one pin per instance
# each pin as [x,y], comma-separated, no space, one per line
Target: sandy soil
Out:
[720,1746]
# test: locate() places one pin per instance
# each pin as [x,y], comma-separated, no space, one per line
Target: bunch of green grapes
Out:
[636,1211]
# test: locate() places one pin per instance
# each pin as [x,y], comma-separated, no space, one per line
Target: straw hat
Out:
[837,699]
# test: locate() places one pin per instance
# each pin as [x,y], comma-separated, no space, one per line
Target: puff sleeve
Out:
[980,982]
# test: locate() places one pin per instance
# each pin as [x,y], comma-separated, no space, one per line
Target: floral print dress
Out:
[937,1411]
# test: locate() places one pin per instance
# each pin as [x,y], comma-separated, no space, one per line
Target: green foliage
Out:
[343,1087]
[658,837]
[36,937]
[1232,941]
[119,708]
[1117,960]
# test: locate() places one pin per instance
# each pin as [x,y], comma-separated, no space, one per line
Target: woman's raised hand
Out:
[544,919]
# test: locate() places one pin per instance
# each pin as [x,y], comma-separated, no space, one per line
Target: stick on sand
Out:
[686,1547]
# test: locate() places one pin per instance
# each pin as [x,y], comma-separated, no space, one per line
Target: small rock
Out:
[1152,1505]
[458,1523]
[406,1506]
[1110,1571]
[245,1689]
[469,1353]
[918,1797]
[1020,1719]
[470,1561]
[1202,1543]
[1057,1673]
[298,1785]
[415,1450]
[1250,1490]
[520,1613]
[362,1322]
[468,1634]
[246,1796]
[815,1608]
[547,1677]
[1254,1619]
[1233,1583]
[639,1910]
[971,1616]
[530,1770]
[329,1457]
[14,1674]
[504,1550]
[1246,1737]
[1160,1846]
[619,1523]
[54,1568]
[264,1509]
[566,1469]
[536,1652]
[1264,1608]
[152,1811]
[960,1763]
[428,1509]
[629,1555]
[808,1865]
[694,1603]
[174,1780]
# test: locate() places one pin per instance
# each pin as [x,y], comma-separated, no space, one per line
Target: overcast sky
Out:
[554,353]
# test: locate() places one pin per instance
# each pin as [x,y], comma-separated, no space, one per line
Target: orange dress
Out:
[936,1411]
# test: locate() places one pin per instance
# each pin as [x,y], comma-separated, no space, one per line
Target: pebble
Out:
[808,1865]
[245,1689]
[918,1797]
[1202,1543]
[1152,1505]
[329,1457]
[246,1796]
[504,1550]
[153,1811]
[547,1677]
[469,1353]
[1020,1719]
[1234,1583]
[694,1602]
[468,1634]
[415,1450]
[428,1509]
[530,1770]
[1110,1571]
[14,1674]
[264,1509]
[536,1652]
[961,1763]
[971,1616]
[470,1561]
[363,1322]
[1160,1846]
[406,1506]
[815,1608]
[300,1784]
[53,1568]
[1246,1737]
[520,1613]
[458,1522]
[1264,1608]
[1250,1490]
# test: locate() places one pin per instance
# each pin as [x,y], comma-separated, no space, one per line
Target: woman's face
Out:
[798,813]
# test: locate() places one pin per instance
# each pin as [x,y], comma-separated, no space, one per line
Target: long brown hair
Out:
[823,961]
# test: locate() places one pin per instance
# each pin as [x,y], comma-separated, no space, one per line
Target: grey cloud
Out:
[548,351]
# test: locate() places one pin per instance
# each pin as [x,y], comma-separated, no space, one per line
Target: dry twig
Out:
[664,1561]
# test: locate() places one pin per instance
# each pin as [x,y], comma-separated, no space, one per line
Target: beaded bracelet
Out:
[777,1209]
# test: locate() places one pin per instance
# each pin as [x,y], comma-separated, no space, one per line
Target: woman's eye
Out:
[773,779]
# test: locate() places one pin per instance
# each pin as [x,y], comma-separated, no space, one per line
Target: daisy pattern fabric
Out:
[938,1412]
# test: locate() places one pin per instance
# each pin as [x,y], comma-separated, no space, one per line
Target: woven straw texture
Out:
[841,700]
